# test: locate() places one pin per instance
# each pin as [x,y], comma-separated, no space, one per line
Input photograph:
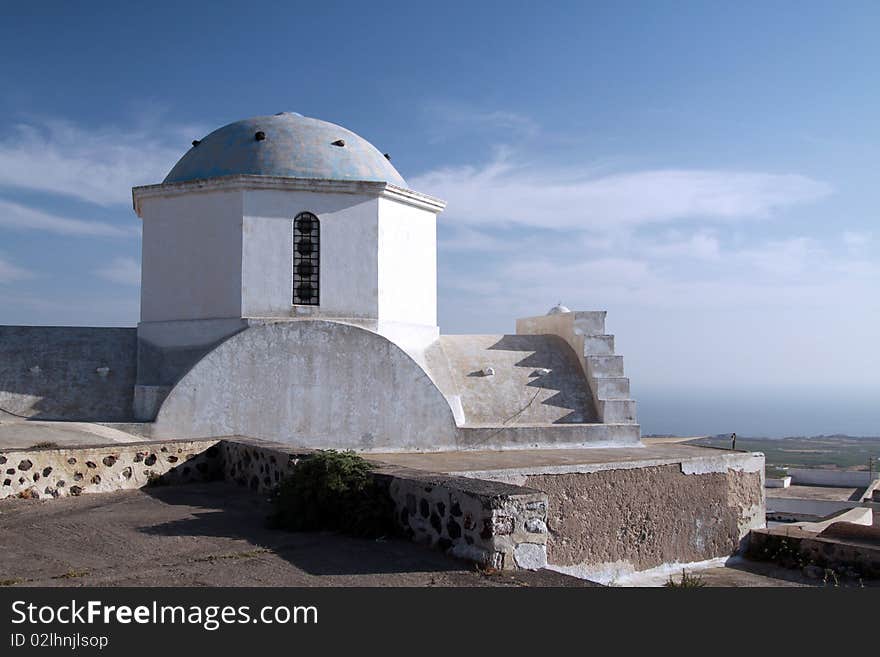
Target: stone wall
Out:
[494,524]
[611,523]
[68,373]
[491,523]
[845,549]
[49,473]
[257,465]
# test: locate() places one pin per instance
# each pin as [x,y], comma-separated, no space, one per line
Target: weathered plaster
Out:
[584,331]
[621,521]
[57,372]
[536,379]
[312,383]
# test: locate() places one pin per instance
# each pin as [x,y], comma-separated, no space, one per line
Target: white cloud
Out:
[507,193]
[453,119]
[53,308]
[20,217]
[10,272]
[698,273]
[126,271]
[701,245]
[856,242]
[97,165]
[467,239]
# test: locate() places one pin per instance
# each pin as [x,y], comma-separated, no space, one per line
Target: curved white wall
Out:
[310,383]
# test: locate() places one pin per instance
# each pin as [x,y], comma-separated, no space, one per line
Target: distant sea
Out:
[758,411]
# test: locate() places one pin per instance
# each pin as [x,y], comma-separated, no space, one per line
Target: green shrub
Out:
[335,491]
[687,582]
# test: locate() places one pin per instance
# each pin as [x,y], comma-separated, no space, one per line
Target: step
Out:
[598,345]
[612,387]
[589,322]
[604,366]
[618,411]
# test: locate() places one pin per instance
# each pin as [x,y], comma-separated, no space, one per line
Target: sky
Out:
[705,172]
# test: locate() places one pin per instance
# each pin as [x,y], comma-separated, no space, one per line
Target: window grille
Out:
[306,259]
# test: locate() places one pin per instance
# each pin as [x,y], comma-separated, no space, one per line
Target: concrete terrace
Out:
[210,535]
[553,461]
[215,535]
[23,434]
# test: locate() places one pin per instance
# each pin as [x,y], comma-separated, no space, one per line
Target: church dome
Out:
[558,309]
[285,144]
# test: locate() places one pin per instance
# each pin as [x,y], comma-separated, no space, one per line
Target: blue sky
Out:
[707,173]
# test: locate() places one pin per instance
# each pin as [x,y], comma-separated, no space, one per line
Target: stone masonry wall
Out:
[49,473]
[258,465]
[494,524]
[497,525]
[846,549]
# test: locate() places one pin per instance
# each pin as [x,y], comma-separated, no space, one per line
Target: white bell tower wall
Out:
[191,256]
[218,256]
[348,254]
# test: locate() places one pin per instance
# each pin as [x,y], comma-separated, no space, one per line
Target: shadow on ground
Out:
[209,535]
[239,515]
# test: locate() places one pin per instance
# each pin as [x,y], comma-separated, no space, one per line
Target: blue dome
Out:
[286,144]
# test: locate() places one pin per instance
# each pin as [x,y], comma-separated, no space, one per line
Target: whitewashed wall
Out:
[407,264]
[191,258]
[348,275]
[310,383]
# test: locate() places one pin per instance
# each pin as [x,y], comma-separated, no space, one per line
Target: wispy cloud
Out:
[126,271]
[504,192]
[10,272]
[57,309]
[20,217]
[701,245]
[797,271]
[99,165]
[447,120]
[856,240]
[464,238]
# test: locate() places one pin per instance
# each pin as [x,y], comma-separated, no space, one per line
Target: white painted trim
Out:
[622,573]
[251,182]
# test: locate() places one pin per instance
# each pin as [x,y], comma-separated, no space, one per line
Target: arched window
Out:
[306,259]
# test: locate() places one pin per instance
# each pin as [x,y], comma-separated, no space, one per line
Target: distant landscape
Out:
[833,452]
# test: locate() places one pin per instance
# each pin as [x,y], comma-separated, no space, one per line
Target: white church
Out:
[289,295]
[289,292]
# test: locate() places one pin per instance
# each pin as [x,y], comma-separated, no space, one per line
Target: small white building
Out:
[289,291]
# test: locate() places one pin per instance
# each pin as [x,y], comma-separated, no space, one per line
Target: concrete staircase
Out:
[585,333]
